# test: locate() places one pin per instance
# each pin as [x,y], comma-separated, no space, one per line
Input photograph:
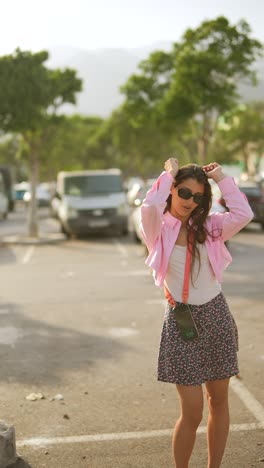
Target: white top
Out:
[203,285]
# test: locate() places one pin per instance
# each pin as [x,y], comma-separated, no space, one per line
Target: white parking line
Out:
[44,441]
[248,399]
[28,255]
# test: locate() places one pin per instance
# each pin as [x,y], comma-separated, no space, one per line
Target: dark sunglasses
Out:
[186,194]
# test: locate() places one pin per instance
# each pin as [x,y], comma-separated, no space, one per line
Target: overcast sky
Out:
[40,24]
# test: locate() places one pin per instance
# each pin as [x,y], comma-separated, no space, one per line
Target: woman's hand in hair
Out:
[172,166]
[214,171]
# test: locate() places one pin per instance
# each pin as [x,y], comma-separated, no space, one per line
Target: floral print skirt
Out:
[212,357]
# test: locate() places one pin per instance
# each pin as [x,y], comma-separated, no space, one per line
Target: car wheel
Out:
[65,231]
[136,238]
[125,231]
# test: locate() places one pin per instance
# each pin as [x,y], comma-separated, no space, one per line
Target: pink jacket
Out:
[160,231]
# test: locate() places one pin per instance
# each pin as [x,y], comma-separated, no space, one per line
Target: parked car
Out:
[90,201]
[54,205]
[20,190]
[255,195]
[136,191]
[42,194]
[135,219]
[218,202]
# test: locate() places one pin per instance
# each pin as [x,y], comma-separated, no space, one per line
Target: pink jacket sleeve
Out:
[153,207]
[240,213]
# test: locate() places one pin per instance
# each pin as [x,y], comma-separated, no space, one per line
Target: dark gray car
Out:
[255,195]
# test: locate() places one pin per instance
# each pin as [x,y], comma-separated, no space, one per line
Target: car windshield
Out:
[86,185]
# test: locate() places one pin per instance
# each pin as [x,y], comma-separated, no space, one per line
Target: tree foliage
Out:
[242,128]
[70,144]
[177,102]
[30,96]
[196,81]
[29,91]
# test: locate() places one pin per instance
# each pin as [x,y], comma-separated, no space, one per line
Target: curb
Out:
[26,240]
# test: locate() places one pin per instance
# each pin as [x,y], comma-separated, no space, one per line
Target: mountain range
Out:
[103,71]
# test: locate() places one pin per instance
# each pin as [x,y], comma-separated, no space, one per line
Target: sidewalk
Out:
[14,230]
[43,238]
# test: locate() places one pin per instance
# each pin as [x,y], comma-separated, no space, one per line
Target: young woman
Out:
[175,219]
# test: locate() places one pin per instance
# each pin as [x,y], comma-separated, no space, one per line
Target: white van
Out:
[89,201]
[3,199]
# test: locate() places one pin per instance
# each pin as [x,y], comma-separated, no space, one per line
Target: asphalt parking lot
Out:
[82,319]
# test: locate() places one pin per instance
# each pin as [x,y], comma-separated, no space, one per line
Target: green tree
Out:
[70,145]
[10,149]
[196,81]
[242,128]
[136,149]
[144,91]
[30,97]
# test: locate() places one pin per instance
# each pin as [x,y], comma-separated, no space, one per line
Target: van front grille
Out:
[97,213]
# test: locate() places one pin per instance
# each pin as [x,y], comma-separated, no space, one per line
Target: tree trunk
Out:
[32,211]
[245,158]
[202,150]
[204,139]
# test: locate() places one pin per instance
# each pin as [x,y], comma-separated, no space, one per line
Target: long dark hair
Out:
[196,230]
